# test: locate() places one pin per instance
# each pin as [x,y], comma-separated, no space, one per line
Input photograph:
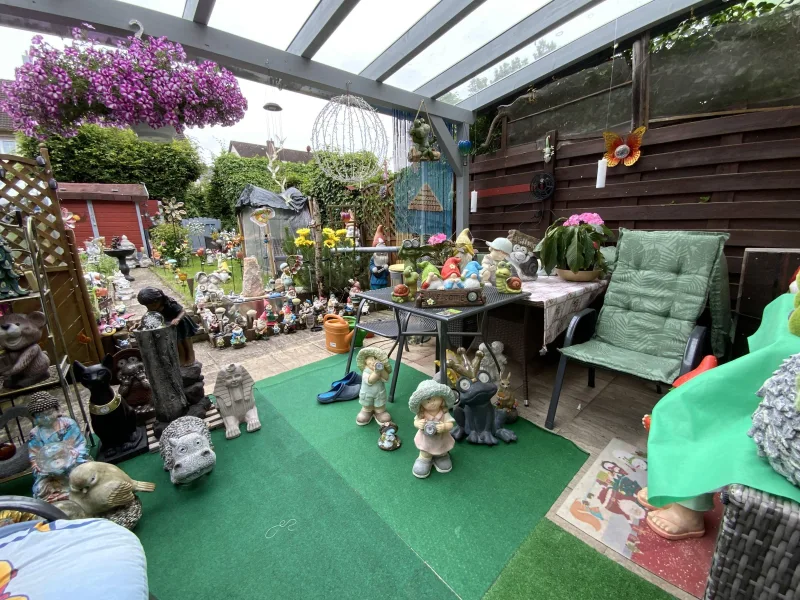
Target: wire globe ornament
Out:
[345,126]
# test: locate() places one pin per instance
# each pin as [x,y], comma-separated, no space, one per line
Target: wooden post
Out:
[640,87]
[316,234]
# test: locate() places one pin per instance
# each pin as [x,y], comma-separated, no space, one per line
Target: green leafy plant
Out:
[172,241]
[108,155]
[575,243]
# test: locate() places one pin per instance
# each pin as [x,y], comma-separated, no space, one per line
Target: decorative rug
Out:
[604,505]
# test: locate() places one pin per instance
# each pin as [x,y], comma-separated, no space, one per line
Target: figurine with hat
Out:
[463,247]
[379,263]
[499,250]
[451,273]
[431,404]
[56,447]
[373,362]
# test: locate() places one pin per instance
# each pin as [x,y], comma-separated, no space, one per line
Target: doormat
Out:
[604,506]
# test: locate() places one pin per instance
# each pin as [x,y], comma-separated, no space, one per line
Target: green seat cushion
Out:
[611,357]
[659,288]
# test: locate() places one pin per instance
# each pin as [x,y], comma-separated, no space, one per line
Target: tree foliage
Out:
[108,155]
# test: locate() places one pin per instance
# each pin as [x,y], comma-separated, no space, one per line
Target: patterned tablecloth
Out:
[560,299]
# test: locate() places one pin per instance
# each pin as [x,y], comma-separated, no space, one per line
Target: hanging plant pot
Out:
[162,135]
[584,276]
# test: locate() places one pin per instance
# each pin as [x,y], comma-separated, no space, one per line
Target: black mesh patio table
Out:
[410,320]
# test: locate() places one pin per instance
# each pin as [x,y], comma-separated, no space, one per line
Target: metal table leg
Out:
[355,332]
[441,333]
[399,357]
[525,353]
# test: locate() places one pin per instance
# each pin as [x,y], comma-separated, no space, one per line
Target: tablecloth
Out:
[698,439]
[561,299]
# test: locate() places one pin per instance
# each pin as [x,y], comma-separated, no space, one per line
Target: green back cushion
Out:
[658,290]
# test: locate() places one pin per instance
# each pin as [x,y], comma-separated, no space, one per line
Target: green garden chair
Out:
[660,284]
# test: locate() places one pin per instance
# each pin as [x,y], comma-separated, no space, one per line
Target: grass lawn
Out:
[197,264]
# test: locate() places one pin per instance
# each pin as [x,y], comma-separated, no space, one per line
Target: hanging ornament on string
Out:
[262,215]
[625,150]
[423,141]
[345,126]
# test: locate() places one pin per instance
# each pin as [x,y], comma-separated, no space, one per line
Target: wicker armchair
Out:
[758,549]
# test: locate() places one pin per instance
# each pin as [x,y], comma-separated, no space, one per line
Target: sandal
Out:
[698,533]
[641,497]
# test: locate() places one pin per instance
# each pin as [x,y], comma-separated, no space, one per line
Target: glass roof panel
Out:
[370,28]
[270,22]
[171,7]
[485,23]
[586,22]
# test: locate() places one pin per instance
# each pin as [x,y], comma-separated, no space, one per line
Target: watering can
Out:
[338,336]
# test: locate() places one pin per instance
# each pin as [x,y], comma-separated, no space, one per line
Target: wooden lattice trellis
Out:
[26,186]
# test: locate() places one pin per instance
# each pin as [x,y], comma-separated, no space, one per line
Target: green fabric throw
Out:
[698,439]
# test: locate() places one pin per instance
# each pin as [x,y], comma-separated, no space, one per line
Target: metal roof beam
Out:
[319,26]
[534,26]
[629,25]
[436,22]
[245,58]
[198,11]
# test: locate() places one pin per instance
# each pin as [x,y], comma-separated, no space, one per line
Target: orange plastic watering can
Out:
[338,336]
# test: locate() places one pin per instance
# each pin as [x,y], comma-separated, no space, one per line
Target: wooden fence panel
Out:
[738,174]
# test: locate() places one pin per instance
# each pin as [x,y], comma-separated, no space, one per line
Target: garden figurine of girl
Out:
[431,403]
[375,370]
[173,313]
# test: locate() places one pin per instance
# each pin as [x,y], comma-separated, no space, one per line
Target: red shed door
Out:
[117,217]
[83,228]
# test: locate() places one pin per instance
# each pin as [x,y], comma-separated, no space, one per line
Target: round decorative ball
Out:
[348,125]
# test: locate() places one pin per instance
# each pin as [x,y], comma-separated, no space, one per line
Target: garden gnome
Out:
[472,275]
[430,277]
[431,404]
[451,275]
[286,276]
[388,439]
[464,249]
[499,250]
[379,263]
[234,393]
[375,369]
[56,447]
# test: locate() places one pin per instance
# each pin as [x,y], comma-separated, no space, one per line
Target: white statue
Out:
[487,363]
[234,393]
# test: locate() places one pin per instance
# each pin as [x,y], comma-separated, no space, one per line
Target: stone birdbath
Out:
[121,254]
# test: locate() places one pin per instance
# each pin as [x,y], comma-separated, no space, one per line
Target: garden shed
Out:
[109,209]
[291,210]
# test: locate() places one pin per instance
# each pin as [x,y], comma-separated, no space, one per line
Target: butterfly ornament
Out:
[623,150]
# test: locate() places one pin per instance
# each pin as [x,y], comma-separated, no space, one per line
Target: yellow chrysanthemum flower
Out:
[329,243]
[341,232]
[328,232]
[303,232]
[308,243]
[300,242]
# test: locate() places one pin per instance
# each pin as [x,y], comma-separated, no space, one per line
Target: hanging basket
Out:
[348,140]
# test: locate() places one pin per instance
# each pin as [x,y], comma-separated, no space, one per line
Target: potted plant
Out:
[140,82]
[572,247]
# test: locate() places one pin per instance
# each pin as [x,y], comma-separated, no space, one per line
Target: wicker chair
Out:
[758,549]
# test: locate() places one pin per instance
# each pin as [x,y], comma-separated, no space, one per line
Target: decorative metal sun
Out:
[348,126]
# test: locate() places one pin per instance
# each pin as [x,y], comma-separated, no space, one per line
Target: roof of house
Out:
[246,150]
[126,192]
[5,120]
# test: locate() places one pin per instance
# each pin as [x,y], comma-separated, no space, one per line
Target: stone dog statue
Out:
[186,450]
[234,393]
[25,363]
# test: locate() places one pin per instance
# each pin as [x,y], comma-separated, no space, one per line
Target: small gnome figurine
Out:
[451,273]
[472,275]
[389,440]
[379,263]
[375,369]
[430,277]
[464,248]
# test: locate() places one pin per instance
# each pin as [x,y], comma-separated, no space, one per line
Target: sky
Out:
[370,28]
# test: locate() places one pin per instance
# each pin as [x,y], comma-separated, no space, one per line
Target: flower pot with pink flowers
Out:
[139,83]
[572,247]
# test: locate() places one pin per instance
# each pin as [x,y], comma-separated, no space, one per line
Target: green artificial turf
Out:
[356,522]
[465,524]
[552,564]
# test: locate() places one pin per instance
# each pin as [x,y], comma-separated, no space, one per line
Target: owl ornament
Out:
[625,150]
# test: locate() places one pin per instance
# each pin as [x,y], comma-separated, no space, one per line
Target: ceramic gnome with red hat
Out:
[379,263]
[451,273]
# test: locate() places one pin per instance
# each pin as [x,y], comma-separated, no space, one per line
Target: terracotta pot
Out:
[568,275]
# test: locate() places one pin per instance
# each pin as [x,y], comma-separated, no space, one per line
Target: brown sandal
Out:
[641,496]
[671,536]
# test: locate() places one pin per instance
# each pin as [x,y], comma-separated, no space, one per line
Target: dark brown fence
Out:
[738,174]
